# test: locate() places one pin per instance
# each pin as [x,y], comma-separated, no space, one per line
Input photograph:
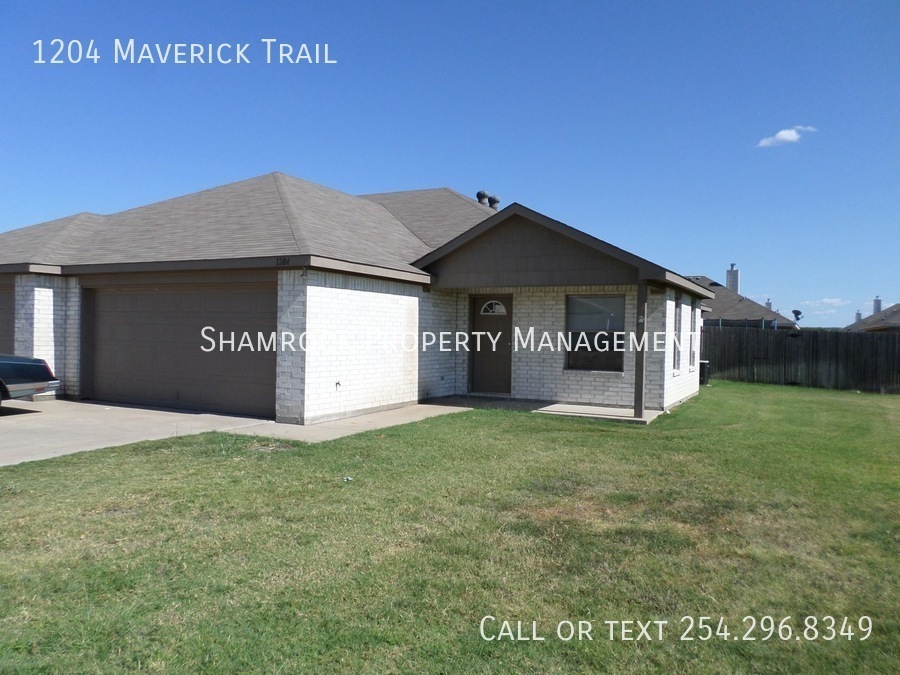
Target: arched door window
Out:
[493,307]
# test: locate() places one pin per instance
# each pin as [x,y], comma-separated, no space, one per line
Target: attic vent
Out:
[488,200]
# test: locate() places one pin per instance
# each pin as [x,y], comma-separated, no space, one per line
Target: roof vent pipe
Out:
[482,197]
[494,202]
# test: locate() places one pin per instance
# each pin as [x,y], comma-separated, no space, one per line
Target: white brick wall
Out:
[681,381]
[357,360]
[48,325]
[442,373]
[655,372]
[290,365]
[360,353]
[542,375]
[354,360]
[359,323]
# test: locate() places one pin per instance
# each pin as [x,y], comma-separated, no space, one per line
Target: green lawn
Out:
[224,553]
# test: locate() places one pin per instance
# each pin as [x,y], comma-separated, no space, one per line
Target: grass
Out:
[221,553]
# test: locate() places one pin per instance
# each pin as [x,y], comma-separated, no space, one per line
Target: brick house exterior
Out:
[115,303]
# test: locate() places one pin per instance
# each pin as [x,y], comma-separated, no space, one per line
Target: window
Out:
[676,361]
[591,321]
[693,329]
[494,307]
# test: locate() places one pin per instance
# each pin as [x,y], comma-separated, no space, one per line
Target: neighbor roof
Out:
[886,319]
[732,307]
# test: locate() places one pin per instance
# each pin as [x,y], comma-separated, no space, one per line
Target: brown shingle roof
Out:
[271,215]
[278,216]
[434,216]
[886,320]
[733,307]
[49,242]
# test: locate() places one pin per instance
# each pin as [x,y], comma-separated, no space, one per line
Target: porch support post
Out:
[640,357]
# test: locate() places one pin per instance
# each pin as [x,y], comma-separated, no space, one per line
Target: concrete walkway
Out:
[327,431]
[50,428]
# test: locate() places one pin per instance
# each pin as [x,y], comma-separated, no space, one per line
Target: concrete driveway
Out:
[49,428]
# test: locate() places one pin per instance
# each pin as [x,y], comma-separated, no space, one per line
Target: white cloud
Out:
[825,312]
[826,302]
[791,135]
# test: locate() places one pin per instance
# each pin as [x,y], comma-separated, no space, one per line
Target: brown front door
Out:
[491,367]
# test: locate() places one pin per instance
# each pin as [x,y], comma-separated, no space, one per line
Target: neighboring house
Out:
[728,308]
[885,321]
[118,304]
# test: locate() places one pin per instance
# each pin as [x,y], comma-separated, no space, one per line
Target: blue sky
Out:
[639,123]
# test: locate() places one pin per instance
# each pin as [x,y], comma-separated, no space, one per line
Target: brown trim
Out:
[680,282]
[318,262]
[29,268]
[266,263]
[640,356]
[183,265]
[193,278]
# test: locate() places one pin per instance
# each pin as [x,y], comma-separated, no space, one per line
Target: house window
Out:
[676,361]
[593,320]
[494,307]
[693,329]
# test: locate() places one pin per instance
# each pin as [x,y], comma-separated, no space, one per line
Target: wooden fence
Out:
[811,358]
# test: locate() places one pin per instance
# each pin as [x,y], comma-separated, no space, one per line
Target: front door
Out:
[492,366]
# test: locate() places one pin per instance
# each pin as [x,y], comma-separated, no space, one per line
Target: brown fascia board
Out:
[646,269]
[368,270]
[30,268]
[285,262]
[672,279]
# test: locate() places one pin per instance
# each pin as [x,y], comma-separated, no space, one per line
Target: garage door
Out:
[7,319]
[147,348]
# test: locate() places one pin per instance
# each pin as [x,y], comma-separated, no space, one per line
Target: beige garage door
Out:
[147,348]
[7,319]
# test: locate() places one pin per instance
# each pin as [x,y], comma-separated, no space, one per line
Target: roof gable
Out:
[542,251]
[519,252]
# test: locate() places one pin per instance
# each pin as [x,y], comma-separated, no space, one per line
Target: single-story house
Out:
[728,308]
[200,303]
[883,321]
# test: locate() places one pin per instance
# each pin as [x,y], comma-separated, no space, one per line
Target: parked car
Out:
[21,377]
